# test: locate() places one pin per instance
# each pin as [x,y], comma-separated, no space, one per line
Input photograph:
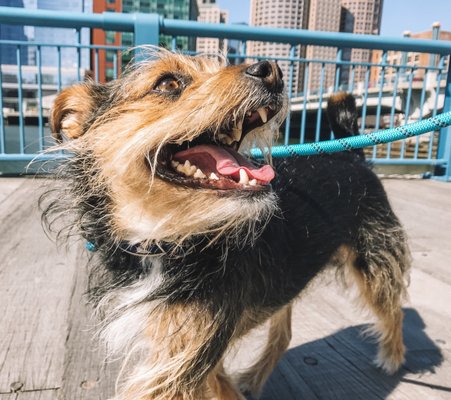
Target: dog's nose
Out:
[262,69]
[269,72]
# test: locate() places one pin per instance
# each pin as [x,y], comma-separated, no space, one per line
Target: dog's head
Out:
[167,144]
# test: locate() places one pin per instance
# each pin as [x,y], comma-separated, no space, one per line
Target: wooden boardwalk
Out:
[46,350]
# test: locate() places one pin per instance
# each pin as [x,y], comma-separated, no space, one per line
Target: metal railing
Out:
[391,89]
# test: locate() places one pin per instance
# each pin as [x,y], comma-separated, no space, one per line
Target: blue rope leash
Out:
[333,146]
[357,142]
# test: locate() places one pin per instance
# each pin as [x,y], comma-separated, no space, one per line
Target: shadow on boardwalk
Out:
[340,366]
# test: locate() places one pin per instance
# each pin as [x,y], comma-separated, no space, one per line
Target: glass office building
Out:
[172,9]
[8,53]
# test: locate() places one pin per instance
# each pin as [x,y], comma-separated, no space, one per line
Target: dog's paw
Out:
[390,361]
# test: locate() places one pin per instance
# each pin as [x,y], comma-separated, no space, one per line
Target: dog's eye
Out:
[169,84]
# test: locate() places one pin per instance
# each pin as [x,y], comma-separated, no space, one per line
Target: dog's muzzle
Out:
[212,160]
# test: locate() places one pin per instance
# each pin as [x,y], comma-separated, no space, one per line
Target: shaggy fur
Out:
[190,266]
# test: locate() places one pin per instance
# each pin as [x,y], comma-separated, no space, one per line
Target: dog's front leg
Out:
[252,380]
[186,344]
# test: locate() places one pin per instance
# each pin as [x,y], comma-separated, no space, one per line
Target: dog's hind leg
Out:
[254,378]
[379,268]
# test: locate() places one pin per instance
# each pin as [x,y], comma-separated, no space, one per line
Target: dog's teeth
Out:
[175,164]
[214,177]
[253,182]
[244,179]
[199,174]
[186,168]
[263,114]
[249,113]
[191,170]
[181,168]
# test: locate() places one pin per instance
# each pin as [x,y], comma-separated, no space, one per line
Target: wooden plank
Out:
[8,396]
[39,395]
[35,280]
[86,375]
[286,383]
[8,186]
[32,395]
[424,208]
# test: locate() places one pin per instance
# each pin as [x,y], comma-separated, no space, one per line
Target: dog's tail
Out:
[343,117]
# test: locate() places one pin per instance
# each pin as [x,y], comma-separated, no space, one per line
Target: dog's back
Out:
[334,202]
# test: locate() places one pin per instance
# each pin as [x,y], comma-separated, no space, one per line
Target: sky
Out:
[398,15]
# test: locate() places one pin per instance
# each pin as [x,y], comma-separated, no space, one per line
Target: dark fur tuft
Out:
[343,117]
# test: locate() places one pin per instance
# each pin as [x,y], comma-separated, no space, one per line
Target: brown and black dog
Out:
[198,242]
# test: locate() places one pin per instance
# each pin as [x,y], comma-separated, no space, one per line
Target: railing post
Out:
[444,140]
[290,95]
[338,69]
[404,58]
[146,32]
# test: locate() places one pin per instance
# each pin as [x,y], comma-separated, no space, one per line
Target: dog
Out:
[196,242]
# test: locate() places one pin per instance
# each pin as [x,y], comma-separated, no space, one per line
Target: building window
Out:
[110,55]
[110,37]
[109,74]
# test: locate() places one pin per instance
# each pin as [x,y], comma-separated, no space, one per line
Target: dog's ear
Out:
[71,109]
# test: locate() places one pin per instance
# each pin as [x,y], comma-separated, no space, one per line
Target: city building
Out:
[211,13]
[70,58]
[360,17]
[353,16]
[8,53]
[106,58]
[412,59]
[172,9]
[324,15]
[281,14]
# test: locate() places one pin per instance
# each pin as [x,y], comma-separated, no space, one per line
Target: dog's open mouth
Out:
[212,160]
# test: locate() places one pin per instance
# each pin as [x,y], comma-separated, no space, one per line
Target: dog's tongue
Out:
[227,162]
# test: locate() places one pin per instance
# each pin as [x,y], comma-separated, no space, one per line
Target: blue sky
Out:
[398,15]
